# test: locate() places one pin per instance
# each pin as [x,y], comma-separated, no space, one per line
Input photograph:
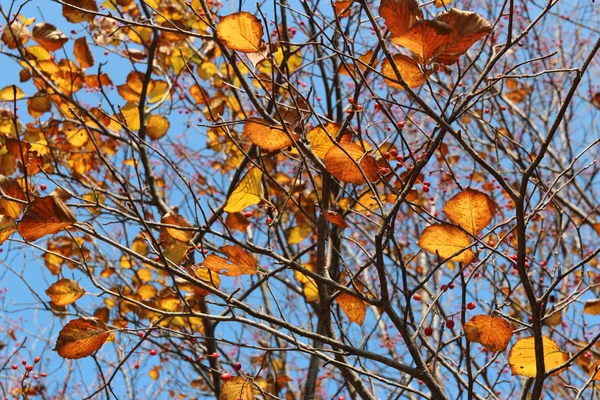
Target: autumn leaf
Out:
[168,234]
[7,227]
[595,370]
[15,34]
[157,126]
[491,332]
[522,356]
[49,36]
[320,138]
[11,93]
[81,13]
[346,161]
[237,388]
[336,219]
[82,53]
[309,286]
[471,209]
[592,307]
[353,307]
[445,240]
[45,216]
[237,221]
[409,71]
[241,31]
[238,262]
[266,137]
[248,192]
[65,292]
[10,188]
[81,337]
[400,15]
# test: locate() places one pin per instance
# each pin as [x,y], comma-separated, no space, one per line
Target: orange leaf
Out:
[353,307]
[319,139]
[408,68]
[467,28]
[238,262]
[336,219]
[493,333]
[156,126]
[241,31]
[81,337]
[10,187]
[266,137]
[15,33]
[596,100]
[49,36]
[522,356]
[39,104]
[445,240]
[400,15]
[346,161]
[342,8]
[45,216]
[65,292]
[168,234]
[425,39]
[11,93]
[237,221]
[471,209]
[7,227]
[595,370]
[82,53]
[76,15]
[592,307]
[237,388]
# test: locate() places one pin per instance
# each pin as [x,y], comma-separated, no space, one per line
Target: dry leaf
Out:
[248,192]
[10,187]
[346,161]
[7,227]
[82,53]
[65,292]
[353,307]
[445,240]
[79,14]
[241,31]
[400,15]
[594,371]
[238,262]
[408,68]
[49,36]
[45,216]
[522,356]
[592,307]
[493,333]
[471,209]
[81,337]
[336,219]
[168,234]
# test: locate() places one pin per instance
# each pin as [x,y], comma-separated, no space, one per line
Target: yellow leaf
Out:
[7,227]
[319,141]
[471,209]
[156,126]
[267,137]
[445,240]
[248,192]
[241,31]
[154,373]
[237,388]
[238,262]
[81,337]
[493,333]
[346,161]
[11,93]
[522,356]
[168,234]
[299,232]
[309,287]
[147,291]
[65,292]
[592,307]
[353,307]
[131,114]
[594,371]
[409,71]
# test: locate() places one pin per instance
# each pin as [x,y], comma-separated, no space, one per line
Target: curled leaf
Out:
[45,216]
[238,262]
[491,332]
[409,71]
[65,292]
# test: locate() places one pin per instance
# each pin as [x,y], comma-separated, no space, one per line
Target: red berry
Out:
[400,124]
[471,306]
[503,108]
[248,214]
[491,243]
[443,288]
[394,152]
[426,189]
[15,366]
[237,366]
[428,331]
[43,374]
[269,220]
[226,376]
[426,183]
[36,360]
[451,286]
[417,297]
[36,377]
[137,366]
[24,362]
[29,368]
[43,186]
[449,324]
[215,355]
[140,334]
[153,352]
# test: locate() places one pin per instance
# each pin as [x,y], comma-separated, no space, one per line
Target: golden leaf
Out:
[45,216]
[471,209]
[266,137]
[408,68]
[400,15]
[493,333]
[10,188]
[237,388]
[347,160]
[522,356]
[81,337]
[241,31]
[353,307]
[592,307]
[49,36]
[248,192]
[65,292]
[238,262]
[156,126]
[168,234]
[11,93]
[445,240]
[7,227]
[82,53]
[320,141]
[76,15]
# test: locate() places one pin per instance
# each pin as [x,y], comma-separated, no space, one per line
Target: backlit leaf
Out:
[400,15]
[594,371]
[408,68]
[238,262]
[471,209]
[81,13]
[267,137]
[445,240]
[156,126]
[320,141]
[237,221]
[425,39]
[81,337]
[248,192]
[82,53]
[65,292]
[522,356]
[168,234]
[336,219]
[7,227]
[45,216]
[353,307]
[11,93]
[592,307]
[491,332]
[241,31]
[346,161]
[10,188]
[237,388]
[49,36]
[15,33]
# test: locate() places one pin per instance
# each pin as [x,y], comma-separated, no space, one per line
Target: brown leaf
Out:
[445,240]
[471,209]
[81,337]
[15,33]
[493,333]
[45,216]
[400,15]
[467,28]
[267,137]
[346,161]
[238,262]
[81,13]
[82,53]
[65,292]
[49,36]
[592,307]
[7,227]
